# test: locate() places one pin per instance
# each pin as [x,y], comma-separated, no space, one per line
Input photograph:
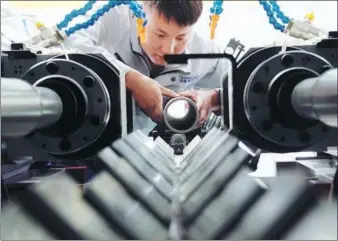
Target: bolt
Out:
[258,87]
[52,67]
[287,60]
[89,81]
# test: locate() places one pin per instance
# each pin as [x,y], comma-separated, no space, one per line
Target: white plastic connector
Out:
[303,29]
[47,37]
[61,35]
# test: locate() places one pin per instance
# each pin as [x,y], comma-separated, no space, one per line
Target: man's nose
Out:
[168,47]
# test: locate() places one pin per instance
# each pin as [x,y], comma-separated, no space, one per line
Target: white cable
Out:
[64,49]
[284,43]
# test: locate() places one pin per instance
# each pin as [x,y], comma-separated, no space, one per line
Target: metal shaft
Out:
[180,115]
[25,108]
[316,98]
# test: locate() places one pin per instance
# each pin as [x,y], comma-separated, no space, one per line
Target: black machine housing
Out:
[278,114]
[17,62]
[23,64]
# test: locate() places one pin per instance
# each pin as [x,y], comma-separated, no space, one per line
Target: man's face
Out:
[164,37]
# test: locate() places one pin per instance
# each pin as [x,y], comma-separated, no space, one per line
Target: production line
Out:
[40,93]
[182,181]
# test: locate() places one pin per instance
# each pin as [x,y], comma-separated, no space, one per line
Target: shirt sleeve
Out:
[90,40]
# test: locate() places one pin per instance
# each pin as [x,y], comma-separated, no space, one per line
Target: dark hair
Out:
[184,12]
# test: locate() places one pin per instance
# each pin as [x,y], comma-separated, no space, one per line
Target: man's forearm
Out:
[131,76]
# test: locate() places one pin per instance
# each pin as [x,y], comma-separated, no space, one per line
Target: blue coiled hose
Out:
[133,6]
[75,13]
[279,13]
[269,9]
[217,7]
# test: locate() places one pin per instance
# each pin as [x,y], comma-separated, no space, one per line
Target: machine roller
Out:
[286,102]
[69,107]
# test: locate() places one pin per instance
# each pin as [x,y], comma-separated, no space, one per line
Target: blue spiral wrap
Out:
[133,6]
[270,12]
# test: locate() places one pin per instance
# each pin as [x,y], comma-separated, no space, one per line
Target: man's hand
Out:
[148,94]
[206,101]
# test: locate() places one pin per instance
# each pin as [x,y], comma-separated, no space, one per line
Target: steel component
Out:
[317,224]
[200,197]
[158,153]
[218,207]
[223,212]
[200,174]
[136,184]
[202,164]
[191,146]
[164,147]
[178,142]
[121,208]
[66,223]
[145,150]
[205,145]
[19,223]
[245,67]
[232,163]
[288,196]
[25,108]
[147,170]
[267,99]
[316,98]
[79,87]
[213,121]
[181,115]
[89,90]
[254,57]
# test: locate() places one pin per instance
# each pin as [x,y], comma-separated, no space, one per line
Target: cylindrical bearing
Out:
[181,115]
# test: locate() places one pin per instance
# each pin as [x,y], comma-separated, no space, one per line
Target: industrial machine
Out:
[65,107]
[180,123]
[280,98]
[73,100]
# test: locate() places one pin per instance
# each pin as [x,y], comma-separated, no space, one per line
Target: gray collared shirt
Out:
[116,33]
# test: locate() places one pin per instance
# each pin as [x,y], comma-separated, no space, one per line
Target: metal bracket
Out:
[236,47]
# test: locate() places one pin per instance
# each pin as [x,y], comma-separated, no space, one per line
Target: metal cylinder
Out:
[316,98]
[181,115]
[213,121]
[25,108]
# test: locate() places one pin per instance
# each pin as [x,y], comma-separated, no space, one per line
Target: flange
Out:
[269,89]
[85,98]
[242,126]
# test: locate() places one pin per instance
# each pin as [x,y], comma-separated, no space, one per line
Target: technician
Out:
[170,30]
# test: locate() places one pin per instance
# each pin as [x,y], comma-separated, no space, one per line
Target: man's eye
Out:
[160,35]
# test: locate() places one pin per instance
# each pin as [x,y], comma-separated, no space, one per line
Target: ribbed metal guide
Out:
[147,193]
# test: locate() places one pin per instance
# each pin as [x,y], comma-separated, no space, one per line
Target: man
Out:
[170,30]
